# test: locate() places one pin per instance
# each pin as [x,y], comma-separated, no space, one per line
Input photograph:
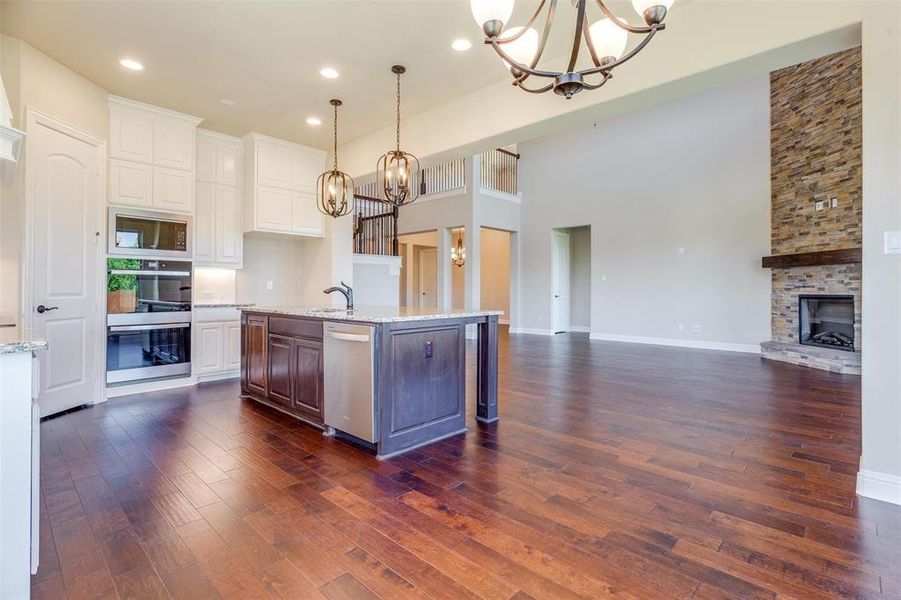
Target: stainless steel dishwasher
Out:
[349,378]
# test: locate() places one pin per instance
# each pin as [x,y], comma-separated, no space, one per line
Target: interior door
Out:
[63,181]
[560,282]
[428,278]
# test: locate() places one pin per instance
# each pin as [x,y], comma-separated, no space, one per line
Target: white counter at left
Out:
[19,459]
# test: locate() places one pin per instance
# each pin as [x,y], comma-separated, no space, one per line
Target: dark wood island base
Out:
[419,369]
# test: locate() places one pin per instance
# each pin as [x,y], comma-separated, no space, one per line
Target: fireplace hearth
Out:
[826,321]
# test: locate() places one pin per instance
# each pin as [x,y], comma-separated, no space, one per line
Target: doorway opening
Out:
[571,279]
[419,272]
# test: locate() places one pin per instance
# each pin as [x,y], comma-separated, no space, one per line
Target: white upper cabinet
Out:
[152,156]
[218,222]
[131,135]
[279,186]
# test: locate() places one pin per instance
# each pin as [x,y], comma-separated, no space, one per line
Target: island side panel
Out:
[486,372]
[421,374]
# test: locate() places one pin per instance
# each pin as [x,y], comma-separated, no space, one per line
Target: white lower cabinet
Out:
[217,350]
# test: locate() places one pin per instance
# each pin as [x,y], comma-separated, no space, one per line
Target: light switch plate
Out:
[819,205]
[893,242]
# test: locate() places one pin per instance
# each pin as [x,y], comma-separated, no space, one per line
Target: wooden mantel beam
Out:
[807,259]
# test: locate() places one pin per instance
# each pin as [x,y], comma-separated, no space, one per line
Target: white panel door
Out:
[273,165]
[205,161]
[228,163]
[205,222]
[273,209]
[173,144]
[305,216]
[229,232]
[64,188]
[130,183]
[428,278]
[233,346]
[210,354]
[173,190]
[131,136]
[560,282]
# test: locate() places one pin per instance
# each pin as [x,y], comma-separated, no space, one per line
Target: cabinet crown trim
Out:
[218,136]
[120,102]
[259,137]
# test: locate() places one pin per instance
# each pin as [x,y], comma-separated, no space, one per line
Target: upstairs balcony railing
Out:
[499,171]
[375,225]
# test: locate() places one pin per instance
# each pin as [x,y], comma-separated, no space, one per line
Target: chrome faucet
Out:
[346,290]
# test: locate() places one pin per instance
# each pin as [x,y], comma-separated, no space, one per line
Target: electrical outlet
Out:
[893,242]
[696,328]
[603,278]
[819,205]
[269,285]
[681,250]
[429,349]
[681,326]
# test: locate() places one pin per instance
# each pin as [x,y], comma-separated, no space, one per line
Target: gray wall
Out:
[690,174]
[580,278]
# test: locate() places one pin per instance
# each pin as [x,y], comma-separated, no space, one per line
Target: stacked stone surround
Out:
[815,139]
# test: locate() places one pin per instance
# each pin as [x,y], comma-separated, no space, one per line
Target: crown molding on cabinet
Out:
[119,101]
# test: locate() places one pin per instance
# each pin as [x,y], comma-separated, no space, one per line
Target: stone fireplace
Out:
[816,213]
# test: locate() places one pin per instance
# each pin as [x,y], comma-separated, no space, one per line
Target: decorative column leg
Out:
[486,404]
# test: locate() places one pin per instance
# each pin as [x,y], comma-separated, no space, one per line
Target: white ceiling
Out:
[266,55]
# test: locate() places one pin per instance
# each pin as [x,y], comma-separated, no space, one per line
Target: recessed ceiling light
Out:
[328,73]
[227,102]
[461,44]
[313,121]
[131,64]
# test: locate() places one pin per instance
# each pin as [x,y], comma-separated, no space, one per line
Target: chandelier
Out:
[334,189]
[458,253]
[521,48]
[396,169]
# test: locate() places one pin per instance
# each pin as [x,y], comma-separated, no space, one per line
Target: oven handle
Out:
[129,272]
[116,328]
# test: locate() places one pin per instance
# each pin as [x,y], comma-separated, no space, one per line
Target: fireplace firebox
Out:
[826,321]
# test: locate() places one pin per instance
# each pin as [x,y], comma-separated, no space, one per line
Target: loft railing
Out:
[499,171]
[375,225]
[445,177]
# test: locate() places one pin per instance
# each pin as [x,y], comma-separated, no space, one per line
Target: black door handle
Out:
[42,309]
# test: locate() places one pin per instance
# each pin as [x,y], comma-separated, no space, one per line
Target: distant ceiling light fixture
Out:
[461,44]
[313,121]
[458,253]
[227,102]
[397,169]
[521,48]
[129,63]
[335,189]
[328,73]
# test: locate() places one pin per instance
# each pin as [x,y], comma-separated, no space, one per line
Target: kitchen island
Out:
[391,379]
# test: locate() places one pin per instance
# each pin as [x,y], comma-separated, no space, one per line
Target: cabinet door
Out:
[233,346]
[229,233]
[205,161]
[273,165]
[210,352]
[173,144]
[280,369]
[205,223]
[130,184]
[273,209]
[254,355]
[131,136]
[307,378]
[305,216]
[228,163]
[305,169]
[173,190]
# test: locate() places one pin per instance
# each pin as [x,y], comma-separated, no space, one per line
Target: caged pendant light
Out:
[335,189]
[396,169]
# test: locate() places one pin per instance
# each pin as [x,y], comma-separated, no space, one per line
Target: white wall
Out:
[279,260]
[690,174]
[376,280]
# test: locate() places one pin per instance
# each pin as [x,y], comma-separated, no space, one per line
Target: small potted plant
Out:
[121,290]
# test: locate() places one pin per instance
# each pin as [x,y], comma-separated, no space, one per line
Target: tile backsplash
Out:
[214,286]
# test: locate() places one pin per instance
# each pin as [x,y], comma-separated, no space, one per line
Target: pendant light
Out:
[335,189]
[458,253]
[396,169]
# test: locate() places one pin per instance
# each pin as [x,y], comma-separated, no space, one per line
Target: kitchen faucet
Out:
[346,290]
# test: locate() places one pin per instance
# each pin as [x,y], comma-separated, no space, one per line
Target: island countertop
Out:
[18,338]
[371,314]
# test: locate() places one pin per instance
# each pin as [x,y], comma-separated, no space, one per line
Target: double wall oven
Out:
[148,300]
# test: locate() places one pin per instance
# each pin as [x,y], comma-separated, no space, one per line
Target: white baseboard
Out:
[217,376]
[701,344]
[579,329]
[879,486]
[531,331]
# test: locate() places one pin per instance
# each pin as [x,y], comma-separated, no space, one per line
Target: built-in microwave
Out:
[149,234]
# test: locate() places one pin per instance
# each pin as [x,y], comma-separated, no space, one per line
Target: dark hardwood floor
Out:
[616,470]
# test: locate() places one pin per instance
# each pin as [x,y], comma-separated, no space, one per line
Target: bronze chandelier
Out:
[521,48]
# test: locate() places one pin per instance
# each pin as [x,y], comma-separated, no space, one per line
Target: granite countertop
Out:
[372,314]
[18,338]
[224,305]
